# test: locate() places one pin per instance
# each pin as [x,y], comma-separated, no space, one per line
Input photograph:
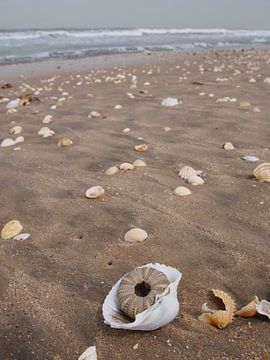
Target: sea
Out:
[36,45]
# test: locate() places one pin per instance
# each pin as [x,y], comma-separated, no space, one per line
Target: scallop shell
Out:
[169,102]
[138,289]
[263,308]
[95,192]
[219,318]
[163,311]
[228,146]
[186,172]
[139,163]
[65,141]
[11,229]
[89,354]
[112,170]
[15,130]
[195,180]
[182,191]
[7,142]
[135,235]
[126,166]
[262,172]
[141,147]
[249,310]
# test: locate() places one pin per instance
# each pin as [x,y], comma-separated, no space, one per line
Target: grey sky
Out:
[232,14]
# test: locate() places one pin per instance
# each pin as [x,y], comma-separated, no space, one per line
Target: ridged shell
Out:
[65,141]
[186,172]
[132,301]
[15,130]
[112,170]
[263,308]
[136,235]
[250,309]
[95,192]
[141,147]
[195,180]
[262,172]
[228,146]
[126,167]
[220,318]
[139,163]
[11,229]
[182,191]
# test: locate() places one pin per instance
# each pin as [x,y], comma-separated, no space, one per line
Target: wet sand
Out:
[52,285]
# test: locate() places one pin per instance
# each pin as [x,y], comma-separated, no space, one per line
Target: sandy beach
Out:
[53,285]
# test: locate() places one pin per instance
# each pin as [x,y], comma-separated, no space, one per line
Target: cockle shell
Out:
[262,172]
[138,289]
[186,172]
[46,132]
[89,354]
[47,119]
[94,114]
[219,318]
[263,308]
[7,142]
[126,166]
[182,191]
[95,192]
[65,141]
[135,235]
[139,163]
[169,102]
[11,229]
[195,180]
[112,170]
[249,310]
[15,130]
[141,147]
[228,146]
[163,311]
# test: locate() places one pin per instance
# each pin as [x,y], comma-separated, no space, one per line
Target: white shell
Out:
[95,192]
[250,158]
[15,130]
[43,130]
[19,139]
[169,102]
[166,128]
[126,166]
[136,235]
[47,119]
[94,114]
[186,172]
[13,104]
[21,237]
[263,308]
[139,163]
[195,180]
[267,80]
[228,146]
[256,110]
[112,170]
[7,142]
[117,107]
[89,354]
[182,191]
[164,310]
[126,130]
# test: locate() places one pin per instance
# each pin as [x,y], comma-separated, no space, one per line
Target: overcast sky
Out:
[232,14]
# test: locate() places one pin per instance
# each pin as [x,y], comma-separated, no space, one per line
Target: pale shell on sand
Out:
[47,119]
[65,141]
[126,167]
[186,172]
[7,142]
[262,172]
[21,237]
[112,170]
[126,130]
[15,130]
[249,310]
[117,107]
[244,104]
[139,163]
[94,114]
[141,147]
[250,158]
[195,180]
[89,354]
[263,308]
[182,191]
[169,102]
[19,139]
[95,192]
[135,235]
[11,229]
[228,146]
[46,132]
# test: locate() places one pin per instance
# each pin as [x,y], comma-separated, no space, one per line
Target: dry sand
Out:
[52,285]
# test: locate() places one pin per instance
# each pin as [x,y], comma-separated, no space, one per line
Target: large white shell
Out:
[95,192]
[19,139]
[89,354]
[15,130]
[164,310]
[169,102]
[7,142]
[13,104]
[126,166]
[182,191]
[263,308]
[139,163]
[112,170]
[262,172]
[186,172]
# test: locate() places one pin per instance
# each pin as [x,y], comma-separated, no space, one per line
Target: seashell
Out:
[21,237]
[126,166]
[112,170]
[228,146]
[126,130]
[11,229]
[250,158]
[195,180]
[11,111]
[7,142]
[267,80]
[166,128]
[169,102]
[13,104]
[15,130]
[219,318]
[117,107]
[94,114]
[136,235]
[182,191]
[163,311]
[262,172]
[19,139]
[43,130]
[47,119]
[89,354]
[65,141]
[249,310]
[95,192]
[139,163]
[257,110]
[141,147]
[186,172]
[244,104]
[138,290]
[263,308]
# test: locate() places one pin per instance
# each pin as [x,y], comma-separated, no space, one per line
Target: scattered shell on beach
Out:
[19,139]
[15,130]
[46,132]
[11,229]
[249,310]
[166,128]
[262,172]
[138,290]
[65,141]
[117,107]
[162,312]
[251,158]
[186,172]
[169,102]
[267,80]
[219,318]
[141,147]
[126,130]
[21,237]
[112,170]
[228,146]
[244,104]
[182,191]
[256,110]
[95,192]
[263,308]
[126,166]
[47,119]
[195,180]
[89,354]
[94,114]
[139,163]
[13,104]
[7,142]
[135,235]
[11,111]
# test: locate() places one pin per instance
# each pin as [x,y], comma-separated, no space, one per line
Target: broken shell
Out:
[249,310]
[135,235]
[228,146]
[126,166]
[141,147]
[7,142]
[169,102]
[15,130]
[195,180]
[186,172]
[65,141]
[219,318]
[139,163]
[112,170]
[47,119]
[163,311]
[11,229]
[182,191]
[95,192]
[263,308]
[262,172]
[138,289]
[89,354]
[21,237]
[94,114]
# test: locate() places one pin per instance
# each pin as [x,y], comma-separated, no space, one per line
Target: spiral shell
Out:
[250,309]
[262,172]
[138,289]
[11,229]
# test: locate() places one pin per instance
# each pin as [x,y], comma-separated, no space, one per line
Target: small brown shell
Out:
[141,147]
[220,318]
[138,290]
[250,309]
